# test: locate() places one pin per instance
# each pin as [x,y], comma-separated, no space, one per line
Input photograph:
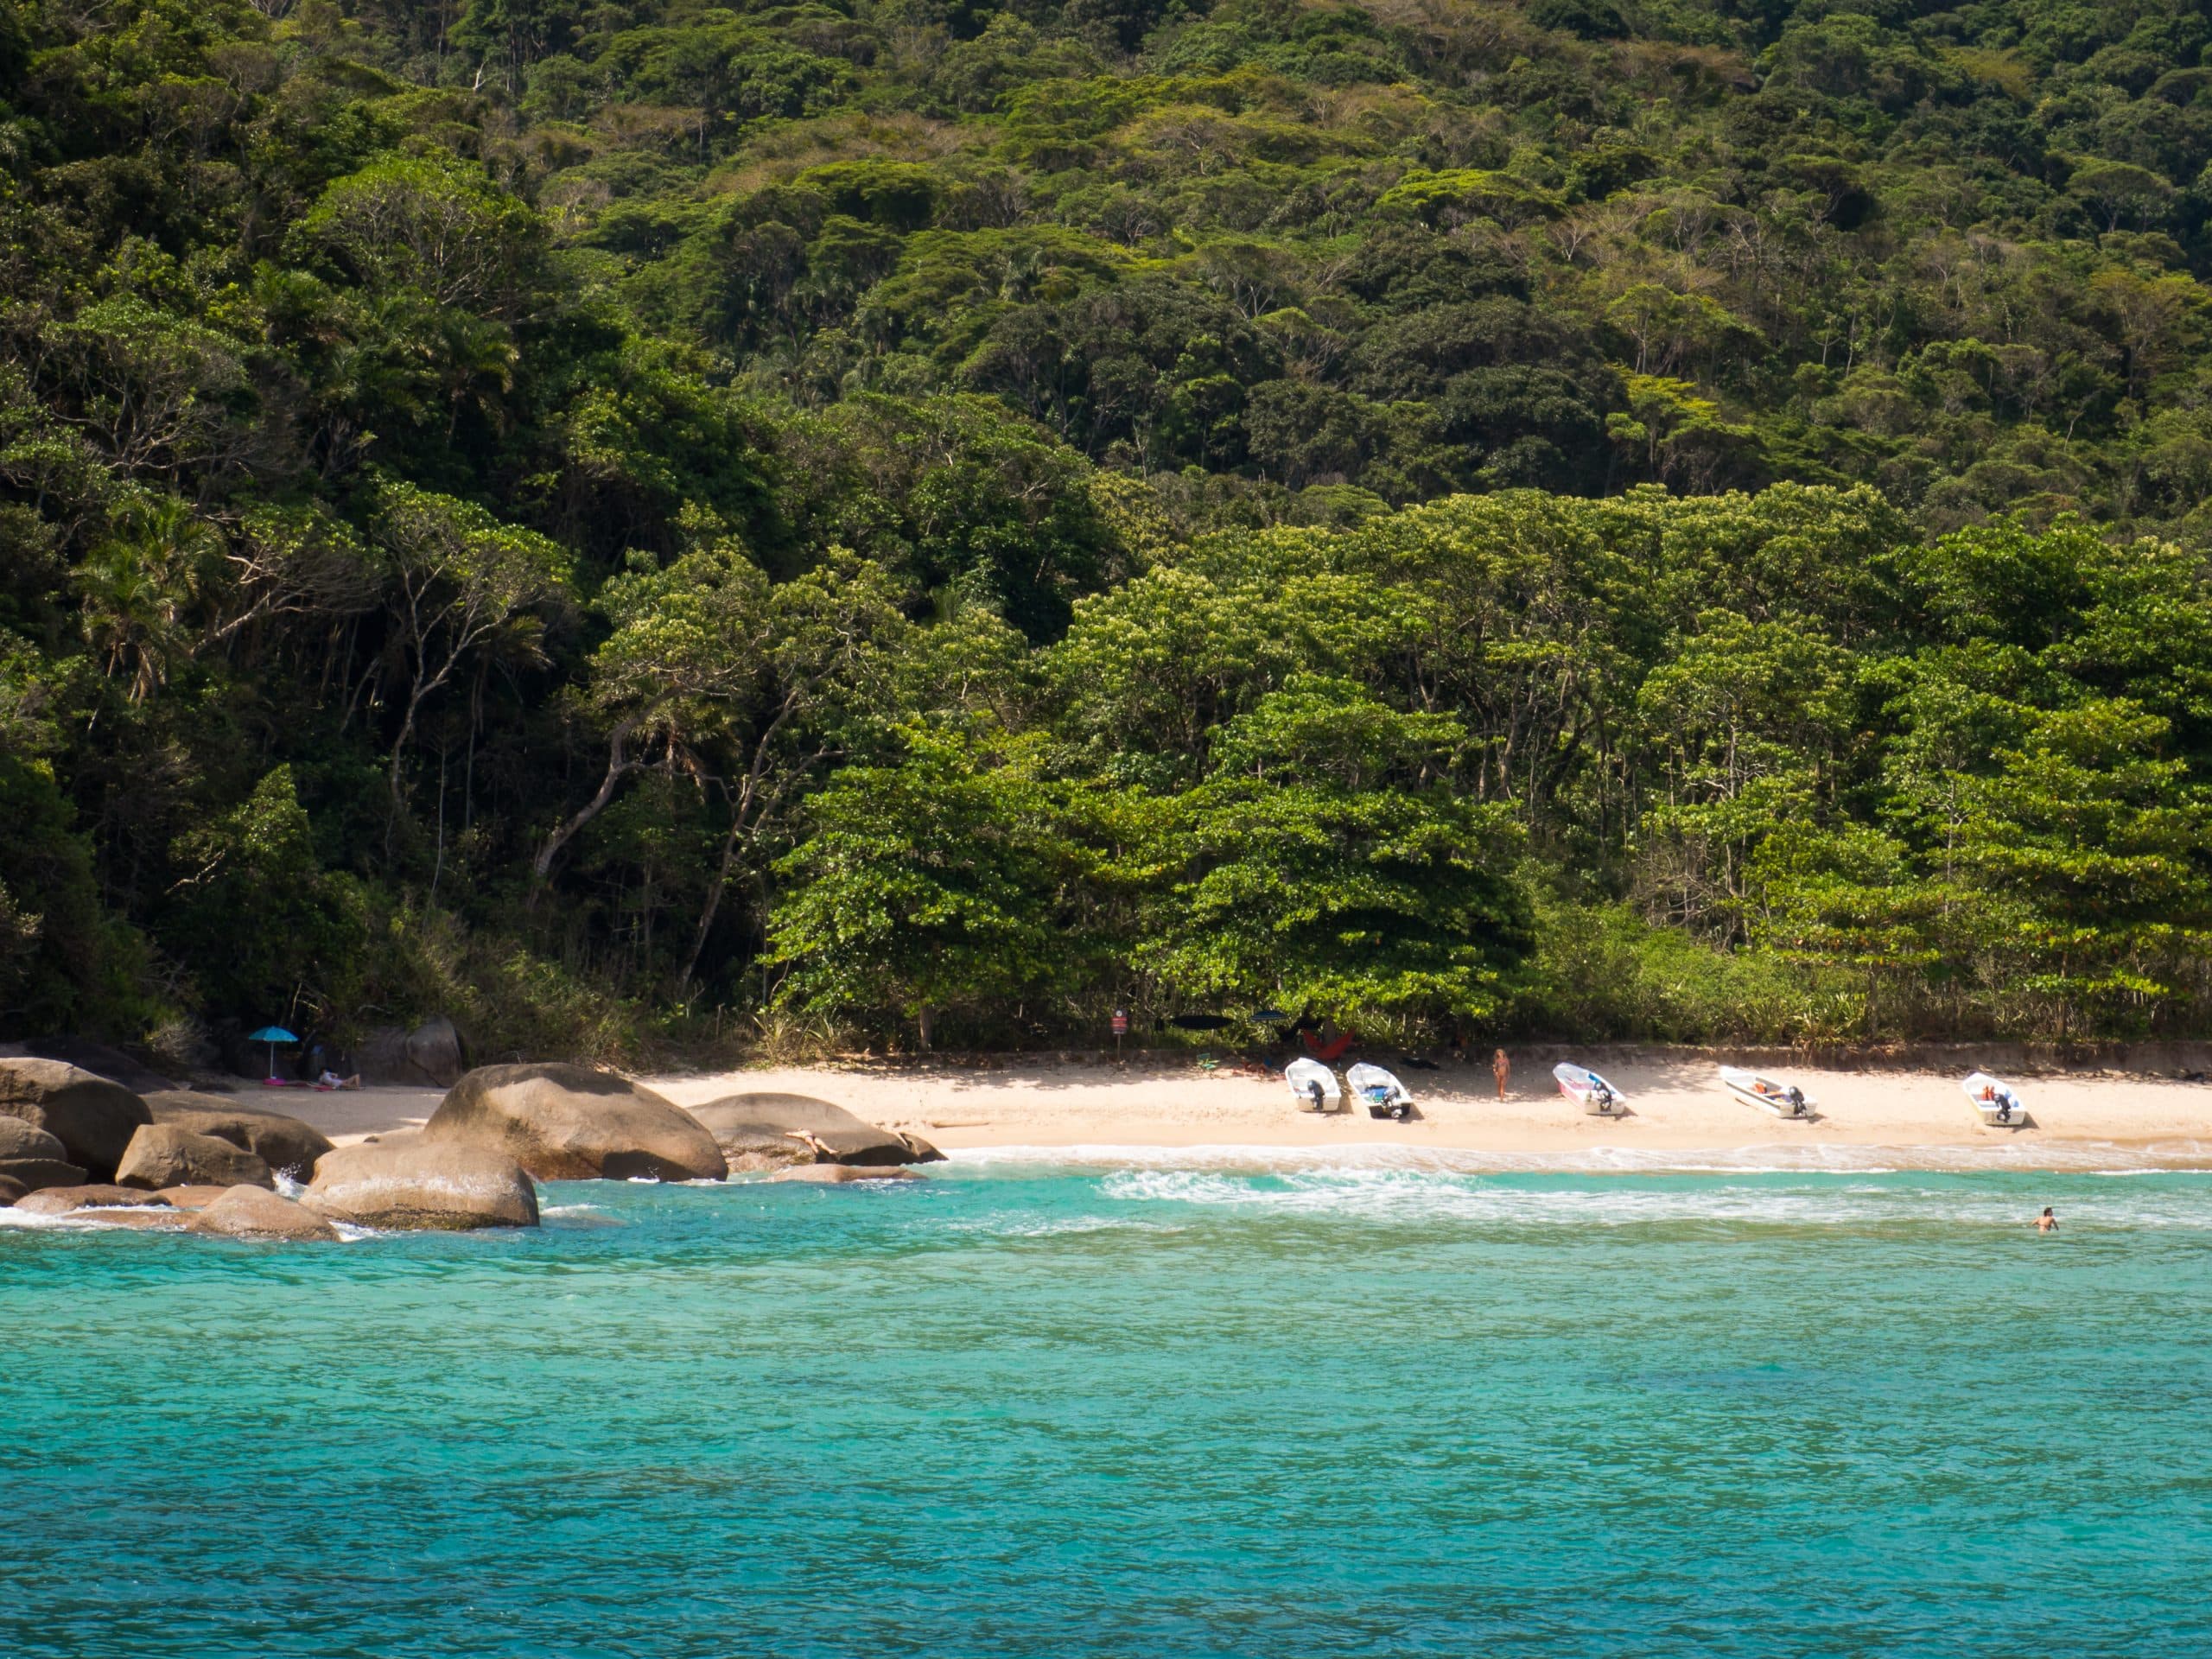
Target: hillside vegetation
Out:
[633,524]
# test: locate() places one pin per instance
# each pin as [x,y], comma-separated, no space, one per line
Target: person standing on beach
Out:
[1502,1069]
[2046,1223]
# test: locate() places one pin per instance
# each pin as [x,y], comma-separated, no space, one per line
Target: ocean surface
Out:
[1182,1406]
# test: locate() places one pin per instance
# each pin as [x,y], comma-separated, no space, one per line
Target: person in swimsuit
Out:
[1502,1069]
[2046,1223]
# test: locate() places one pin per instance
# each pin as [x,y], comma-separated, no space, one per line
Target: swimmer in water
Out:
[2046,1223]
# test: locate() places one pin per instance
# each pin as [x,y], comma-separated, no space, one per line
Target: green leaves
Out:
[432,223]
[270,932]
[1328,863]
[931,885]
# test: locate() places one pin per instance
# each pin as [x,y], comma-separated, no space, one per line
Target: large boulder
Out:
[93,1117]
[33,1174]
[434,1049]
[253,1212]
[571,1123]
[66,1200]
[282,1142]
[19,1139]
[10,1189]
[100,1060]
[407,1181]
[765,1131]
[432,1055]
[164,1154]
[31,1159]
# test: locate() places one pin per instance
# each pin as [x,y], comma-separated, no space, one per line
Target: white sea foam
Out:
[23,1218]
[1770,1197]
[85,1220]
[1772,1157]
[1008,1226]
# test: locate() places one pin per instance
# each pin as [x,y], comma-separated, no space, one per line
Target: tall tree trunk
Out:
[618,765]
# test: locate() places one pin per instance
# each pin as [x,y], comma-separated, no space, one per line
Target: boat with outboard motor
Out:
[1999,1104]
[1589,1090]
[1314,1086]
[1385,1095]
[1768,1094]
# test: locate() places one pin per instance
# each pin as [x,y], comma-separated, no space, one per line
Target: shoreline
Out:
[999,1108]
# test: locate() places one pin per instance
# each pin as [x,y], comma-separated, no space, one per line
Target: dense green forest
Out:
[634,522]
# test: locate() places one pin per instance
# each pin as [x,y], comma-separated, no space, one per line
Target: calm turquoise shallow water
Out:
[1024,1409]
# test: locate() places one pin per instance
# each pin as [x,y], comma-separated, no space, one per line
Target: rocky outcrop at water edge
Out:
[68,1200]
[165,1154]
[771,1131]
[410,1182]
[253,1212]
[571,1123]
[93,1117]
[285,1143]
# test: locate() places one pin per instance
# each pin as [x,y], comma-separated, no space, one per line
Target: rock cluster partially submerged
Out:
[286,1145]
[775,1131]
[165,1154]
[409,1181]
[75,1142]
[91,1117]
[251,1212]
[571,1123]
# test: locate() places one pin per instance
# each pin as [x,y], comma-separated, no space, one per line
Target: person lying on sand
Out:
[330,1080]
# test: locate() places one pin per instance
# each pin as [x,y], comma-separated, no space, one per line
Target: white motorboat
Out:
[1768,1094]
[1589,1090]
[1314,1086]
[1385,1095]
[1999,1104]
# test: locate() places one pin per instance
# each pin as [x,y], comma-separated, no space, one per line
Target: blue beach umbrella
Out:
[272,1035]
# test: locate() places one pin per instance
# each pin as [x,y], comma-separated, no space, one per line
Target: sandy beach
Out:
[1677,1108]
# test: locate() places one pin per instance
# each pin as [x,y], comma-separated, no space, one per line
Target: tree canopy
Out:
[1679,518]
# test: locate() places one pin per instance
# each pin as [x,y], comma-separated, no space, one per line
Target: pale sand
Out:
[1677,1108]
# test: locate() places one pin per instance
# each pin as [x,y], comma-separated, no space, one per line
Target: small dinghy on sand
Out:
[1385,1095]
[1768,1094]
[1589,1090]
[1999,1105]
[1314,1086]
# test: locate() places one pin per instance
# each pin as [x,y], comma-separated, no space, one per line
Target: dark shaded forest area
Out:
[642,525]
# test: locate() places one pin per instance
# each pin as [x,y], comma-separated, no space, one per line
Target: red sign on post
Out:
[1120,1022]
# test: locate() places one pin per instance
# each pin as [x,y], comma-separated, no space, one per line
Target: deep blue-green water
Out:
[1161,1411]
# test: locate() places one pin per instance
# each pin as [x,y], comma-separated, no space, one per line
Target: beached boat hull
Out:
[1591,1092]
[1385,1096]
[1314,1086]
[1998,1106]
[1769,1096]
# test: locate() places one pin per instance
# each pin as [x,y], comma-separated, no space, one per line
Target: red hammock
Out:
[1334,1048]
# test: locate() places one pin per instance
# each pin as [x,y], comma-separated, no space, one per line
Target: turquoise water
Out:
[1031,1410]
